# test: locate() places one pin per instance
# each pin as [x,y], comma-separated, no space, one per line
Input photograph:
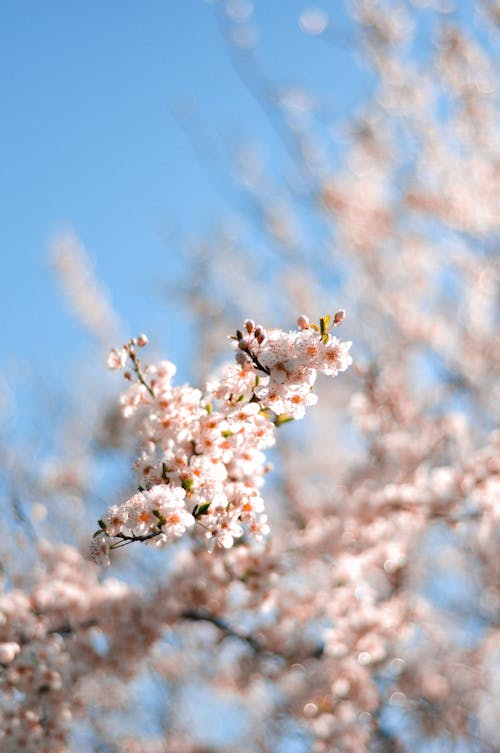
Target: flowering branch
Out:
[202,453]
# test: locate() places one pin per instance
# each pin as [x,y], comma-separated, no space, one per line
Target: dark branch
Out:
[200,615]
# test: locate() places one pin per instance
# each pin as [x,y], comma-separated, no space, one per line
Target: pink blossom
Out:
[117,358]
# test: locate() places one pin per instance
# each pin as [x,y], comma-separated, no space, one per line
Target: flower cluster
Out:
[49,646]
[201,454]
[290,362]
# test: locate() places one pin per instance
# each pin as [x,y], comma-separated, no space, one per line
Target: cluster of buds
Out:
[248,343]
[256,334]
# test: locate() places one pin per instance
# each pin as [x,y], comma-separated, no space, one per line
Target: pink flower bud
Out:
[249,325]
[303,322]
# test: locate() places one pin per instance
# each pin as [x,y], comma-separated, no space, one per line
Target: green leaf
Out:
[102,524]
[187,484]
[241,397]
[164,471]
[239,334]
[227,434]
[97,533]
[283,419]
[314,327]
[161,520]
[141,488]
[208,408]
[203,508]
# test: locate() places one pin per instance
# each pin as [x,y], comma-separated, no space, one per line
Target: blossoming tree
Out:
[351,604]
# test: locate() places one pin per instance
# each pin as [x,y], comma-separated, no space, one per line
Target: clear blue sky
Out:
[87,139]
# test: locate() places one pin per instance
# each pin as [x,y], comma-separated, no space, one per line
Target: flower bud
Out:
[303,322]
[249,325]
[142,340]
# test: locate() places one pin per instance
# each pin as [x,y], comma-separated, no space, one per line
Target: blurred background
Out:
[122,122]
[129,127]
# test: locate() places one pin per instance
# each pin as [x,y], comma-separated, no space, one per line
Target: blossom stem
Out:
[137,368]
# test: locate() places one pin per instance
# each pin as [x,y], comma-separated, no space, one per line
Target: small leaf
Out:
[102,524]
[241,397]
[141,488]
[283,419]
[164,471]
[203,508]
[314,327]
[227,434]
[239,334]
[208,408]
[187,484]
[97,533]
[161,520]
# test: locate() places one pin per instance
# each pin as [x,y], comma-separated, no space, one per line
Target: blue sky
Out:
[88,140]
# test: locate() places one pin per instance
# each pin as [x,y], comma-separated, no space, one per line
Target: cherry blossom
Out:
[201,454]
